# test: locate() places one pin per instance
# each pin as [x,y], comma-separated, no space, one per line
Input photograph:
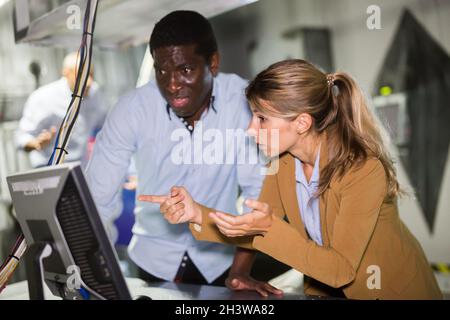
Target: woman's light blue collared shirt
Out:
[307,202]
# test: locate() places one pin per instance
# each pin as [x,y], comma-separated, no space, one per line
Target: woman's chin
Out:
[267,152]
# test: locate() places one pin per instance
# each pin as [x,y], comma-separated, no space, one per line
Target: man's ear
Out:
[303,123]
[214,63]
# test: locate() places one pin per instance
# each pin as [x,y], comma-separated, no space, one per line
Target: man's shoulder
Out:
[139,102]
[230,96]
[47,89]
[47,98]
[145,93]
[230,83]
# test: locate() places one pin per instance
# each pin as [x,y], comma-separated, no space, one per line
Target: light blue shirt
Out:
[47,107]
[307,202]
[142,125]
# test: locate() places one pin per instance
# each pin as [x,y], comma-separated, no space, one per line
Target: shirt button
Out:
[185,258]
[183,264]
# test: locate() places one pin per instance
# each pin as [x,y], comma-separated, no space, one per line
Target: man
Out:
[45,110]
[189,97]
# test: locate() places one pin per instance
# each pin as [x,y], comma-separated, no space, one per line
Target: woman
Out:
[336,185]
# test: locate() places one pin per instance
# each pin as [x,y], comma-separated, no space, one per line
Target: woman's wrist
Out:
[267,224]
[197,219]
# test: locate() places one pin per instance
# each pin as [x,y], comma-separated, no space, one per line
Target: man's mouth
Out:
[179,102]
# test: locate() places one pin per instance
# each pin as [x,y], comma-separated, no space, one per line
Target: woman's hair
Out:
[338,107]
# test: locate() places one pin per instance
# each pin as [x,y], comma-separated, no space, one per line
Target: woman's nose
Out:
[252,130]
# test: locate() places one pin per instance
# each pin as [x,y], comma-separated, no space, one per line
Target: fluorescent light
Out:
[2,2]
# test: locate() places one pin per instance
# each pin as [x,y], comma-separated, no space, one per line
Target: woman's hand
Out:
[258,221]
[178,207]
[239,282]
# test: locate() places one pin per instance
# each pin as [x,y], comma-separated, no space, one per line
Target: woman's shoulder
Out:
[365,166]
[367,171]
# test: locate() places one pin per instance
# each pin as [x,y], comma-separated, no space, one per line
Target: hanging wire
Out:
[63,137]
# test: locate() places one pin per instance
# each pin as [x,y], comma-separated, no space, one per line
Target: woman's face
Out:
[273,135]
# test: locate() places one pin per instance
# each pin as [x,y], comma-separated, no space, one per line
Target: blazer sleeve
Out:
[362,194]
[209,232]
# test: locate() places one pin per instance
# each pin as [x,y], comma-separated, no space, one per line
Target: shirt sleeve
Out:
[33,121]
[208,231]
[107,168]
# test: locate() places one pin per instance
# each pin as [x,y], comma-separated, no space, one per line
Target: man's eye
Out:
[187,70]
[160,71]
[261,119]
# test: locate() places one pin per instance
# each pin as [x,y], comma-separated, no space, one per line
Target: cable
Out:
[64,133]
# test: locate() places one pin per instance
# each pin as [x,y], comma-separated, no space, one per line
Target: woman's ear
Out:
[303,123]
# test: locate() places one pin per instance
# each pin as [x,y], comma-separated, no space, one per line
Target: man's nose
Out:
[174,83]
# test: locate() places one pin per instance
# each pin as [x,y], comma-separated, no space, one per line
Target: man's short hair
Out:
[184,28]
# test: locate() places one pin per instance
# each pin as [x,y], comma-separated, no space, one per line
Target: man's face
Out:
[184,77]
[71,77]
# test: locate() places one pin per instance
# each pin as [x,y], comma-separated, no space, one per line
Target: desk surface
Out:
[196,292]
[161,291]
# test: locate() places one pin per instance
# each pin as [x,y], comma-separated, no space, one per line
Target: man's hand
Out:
[239,282]
[42,140]
[178,207]
[239,276]
[258,221]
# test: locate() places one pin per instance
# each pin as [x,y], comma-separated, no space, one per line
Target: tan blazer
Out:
[363,237]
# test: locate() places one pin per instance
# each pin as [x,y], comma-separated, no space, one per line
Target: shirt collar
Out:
[300,175]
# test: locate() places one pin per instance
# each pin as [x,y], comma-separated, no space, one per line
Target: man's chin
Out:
[184,112]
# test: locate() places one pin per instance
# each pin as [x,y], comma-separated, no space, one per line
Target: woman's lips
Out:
[179,102]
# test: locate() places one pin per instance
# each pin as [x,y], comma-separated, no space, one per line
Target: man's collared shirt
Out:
[141,125]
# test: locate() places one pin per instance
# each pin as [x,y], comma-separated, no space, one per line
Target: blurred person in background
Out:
[45,109]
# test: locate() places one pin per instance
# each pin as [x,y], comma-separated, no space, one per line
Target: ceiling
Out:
[119,23]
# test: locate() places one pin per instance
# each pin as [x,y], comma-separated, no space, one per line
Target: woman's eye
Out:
[261,119]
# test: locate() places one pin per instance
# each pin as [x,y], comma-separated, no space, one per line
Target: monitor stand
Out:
[34,255]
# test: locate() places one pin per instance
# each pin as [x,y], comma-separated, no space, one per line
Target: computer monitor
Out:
[55,209]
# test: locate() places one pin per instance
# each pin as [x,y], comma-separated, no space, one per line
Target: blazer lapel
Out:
[288,193]
[322,201]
